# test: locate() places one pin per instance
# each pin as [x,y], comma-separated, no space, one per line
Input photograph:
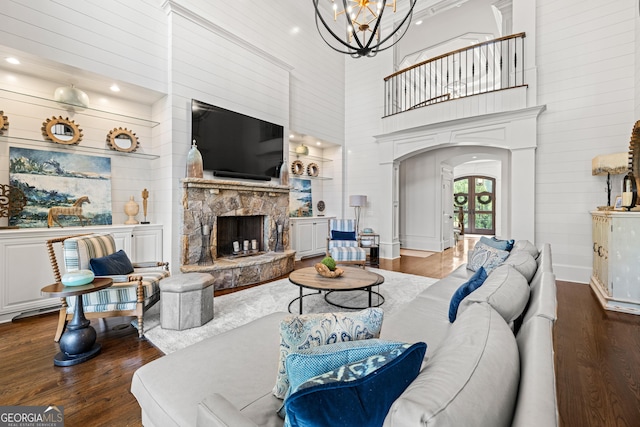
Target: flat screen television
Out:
[235,145]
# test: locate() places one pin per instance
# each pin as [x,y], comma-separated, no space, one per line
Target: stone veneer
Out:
[205,200]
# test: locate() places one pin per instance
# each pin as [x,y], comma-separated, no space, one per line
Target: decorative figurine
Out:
[75,210]
[131,208]
[145,196]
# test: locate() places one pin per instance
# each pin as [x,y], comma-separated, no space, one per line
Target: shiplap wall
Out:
[587,77]
[144,43]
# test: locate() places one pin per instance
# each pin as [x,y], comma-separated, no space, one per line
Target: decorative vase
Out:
[131,208]
[194,162]
[284,174]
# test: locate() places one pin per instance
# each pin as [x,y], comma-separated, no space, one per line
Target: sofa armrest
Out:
[216,411]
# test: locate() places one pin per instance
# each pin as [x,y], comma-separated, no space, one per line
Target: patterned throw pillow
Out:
[485,256]
[356,394]
[304,331]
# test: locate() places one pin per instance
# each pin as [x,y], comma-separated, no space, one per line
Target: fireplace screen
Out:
[240,235]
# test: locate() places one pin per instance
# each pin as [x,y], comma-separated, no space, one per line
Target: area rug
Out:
[415,253]
[236,309]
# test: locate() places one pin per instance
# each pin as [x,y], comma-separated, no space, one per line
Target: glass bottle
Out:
[194,162]
[284,174]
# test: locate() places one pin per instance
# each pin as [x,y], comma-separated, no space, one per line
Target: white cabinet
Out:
[25,266]
[616,260]
[309,236]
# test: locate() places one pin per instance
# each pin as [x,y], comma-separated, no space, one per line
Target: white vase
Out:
[131,208]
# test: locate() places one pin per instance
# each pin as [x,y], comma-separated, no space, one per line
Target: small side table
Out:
[371,241]
[78,342]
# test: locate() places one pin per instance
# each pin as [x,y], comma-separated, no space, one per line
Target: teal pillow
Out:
[111,265]
[301,332]
[503,245]
[464,290]
[355,395]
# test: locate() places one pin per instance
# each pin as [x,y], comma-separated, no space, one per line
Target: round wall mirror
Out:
[61,131]
[4,124]
[123,140]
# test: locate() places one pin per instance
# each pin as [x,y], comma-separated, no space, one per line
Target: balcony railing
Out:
[485,67]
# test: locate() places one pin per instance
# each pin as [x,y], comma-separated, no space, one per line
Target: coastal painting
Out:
[300,203]
[51,179]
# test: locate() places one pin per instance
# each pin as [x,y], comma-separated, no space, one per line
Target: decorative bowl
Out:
[324,271]
[77,278]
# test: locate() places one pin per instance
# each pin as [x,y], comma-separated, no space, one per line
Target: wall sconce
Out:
[358,202]
[610,164]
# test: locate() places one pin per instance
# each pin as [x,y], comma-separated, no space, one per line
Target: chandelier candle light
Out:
[361,23]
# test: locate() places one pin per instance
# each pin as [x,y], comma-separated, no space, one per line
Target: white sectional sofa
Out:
[476,372]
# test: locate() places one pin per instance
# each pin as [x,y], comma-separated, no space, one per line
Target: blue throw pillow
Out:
[111,265]
[503,245]
[313,361]
[357,394]
[343,235]
[464,290]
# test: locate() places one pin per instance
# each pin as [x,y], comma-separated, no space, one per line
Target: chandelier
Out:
[361,23]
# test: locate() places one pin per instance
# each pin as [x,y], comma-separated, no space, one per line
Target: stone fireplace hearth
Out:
[217,213]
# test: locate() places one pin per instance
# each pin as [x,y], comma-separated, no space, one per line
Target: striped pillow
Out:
[78,251]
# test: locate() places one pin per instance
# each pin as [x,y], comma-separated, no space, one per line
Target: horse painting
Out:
[75,210]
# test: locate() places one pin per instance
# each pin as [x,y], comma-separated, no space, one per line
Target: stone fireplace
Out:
[218,213]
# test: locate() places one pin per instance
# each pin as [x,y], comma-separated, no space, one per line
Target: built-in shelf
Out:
[13,141]
[295,156]
[89,111]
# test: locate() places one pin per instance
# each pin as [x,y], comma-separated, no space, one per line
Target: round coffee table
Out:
[78,342]
[352,279]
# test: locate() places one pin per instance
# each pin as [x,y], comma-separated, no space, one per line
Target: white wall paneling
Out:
[25,266]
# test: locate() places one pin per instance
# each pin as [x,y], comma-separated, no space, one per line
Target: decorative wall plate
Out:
[321,206]
[122,140]
[61,131]
[4,124]
[297,167]
[313,169]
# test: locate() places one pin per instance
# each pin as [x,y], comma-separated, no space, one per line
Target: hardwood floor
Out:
[597,359]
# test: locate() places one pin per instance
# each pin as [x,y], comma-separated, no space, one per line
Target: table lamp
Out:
[608,164]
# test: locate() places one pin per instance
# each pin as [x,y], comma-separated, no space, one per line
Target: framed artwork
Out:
[300,201]
[51,179]
[618,204]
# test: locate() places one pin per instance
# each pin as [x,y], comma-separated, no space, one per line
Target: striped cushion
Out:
[342,224]
[348,253]
[121,296]
[342,243]
[77,251]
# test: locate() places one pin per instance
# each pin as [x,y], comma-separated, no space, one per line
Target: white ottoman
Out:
[186,300]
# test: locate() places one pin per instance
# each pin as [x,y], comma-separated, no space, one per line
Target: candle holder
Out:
[629,191]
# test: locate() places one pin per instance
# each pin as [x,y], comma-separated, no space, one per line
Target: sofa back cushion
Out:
[525,245]
[470,380]
[523,262]
[506,290]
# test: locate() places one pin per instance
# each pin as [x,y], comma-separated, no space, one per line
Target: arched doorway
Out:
[476,196]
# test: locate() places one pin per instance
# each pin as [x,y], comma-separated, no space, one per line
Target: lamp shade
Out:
[614,164]
[71,95]
[357,200]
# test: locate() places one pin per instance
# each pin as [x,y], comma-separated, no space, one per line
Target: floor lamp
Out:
[357,202]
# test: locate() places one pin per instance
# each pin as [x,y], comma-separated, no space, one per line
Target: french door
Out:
[475,195]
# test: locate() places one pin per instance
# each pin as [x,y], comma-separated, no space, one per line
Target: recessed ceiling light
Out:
[318,142]
[295,30]
[419,22]
[114,88]
[12,60]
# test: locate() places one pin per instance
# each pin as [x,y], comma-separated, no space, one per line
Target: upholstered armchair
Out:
[342,243]
[132,293]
